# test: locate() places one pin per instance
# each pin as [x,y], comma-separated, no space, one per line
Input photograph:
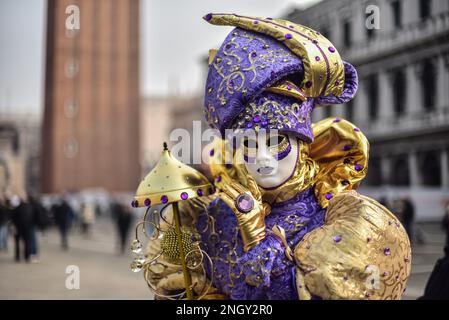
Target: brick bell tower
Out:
[91,117]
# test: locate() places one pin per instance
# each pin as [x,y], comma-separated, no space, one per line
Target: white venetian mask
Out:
[270,159]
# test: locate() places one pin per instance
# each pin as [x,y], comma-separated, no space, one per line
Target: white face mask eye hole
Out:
[250,143]
[276,140]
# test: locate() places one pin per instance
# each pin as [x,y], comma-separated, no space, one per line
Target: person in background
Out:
[437,287]
[408,217]
[87,217]
[123,219]
[23,220]
[397,208]
[445,226]
[64,216]
[40,222]
[5,215]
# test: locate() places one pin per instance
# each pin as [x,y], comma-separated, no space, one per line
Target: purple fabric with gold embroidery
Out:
[246,64]
[275,111]
[263,272]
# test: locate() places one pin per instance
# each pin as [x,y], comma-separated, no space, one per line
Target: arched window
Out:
[425,9]
[397,13]
[428,84]
[430,168]
[399,94]
[400,171]
[374,176]
[373,96]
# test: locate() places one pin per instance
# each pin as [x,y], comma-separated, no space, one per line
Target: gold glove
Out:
[247,205]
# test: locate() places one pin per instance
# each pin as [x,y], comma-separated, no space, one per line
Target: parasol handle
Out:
[185,270]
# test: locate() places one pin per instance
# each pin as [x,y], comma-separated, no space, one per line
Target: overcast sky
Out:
[174,38]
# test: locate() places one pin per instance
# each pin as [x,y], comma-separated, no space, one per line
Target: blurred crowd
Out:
[22,217]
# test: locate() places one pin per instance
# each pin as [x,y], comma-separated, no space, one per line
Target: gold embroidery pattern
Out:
[361,252]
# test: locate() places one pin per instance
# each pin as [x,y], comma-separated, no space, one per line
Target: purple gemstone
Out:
[253,54]
[256,22]
[337,83]
[356,129]
[318,33]
[218,179]
[184,196]
[314,41]
[337,120]
[337,238]
[329,196]
[211,152]
[244,203]
[208,17]
[164,199]
[249,125]
[387,251]
[308,84]
[264,123]
[147,202]
[347,147]
[332,49]
[257,118]
[358,167]
[199,192]
[288,36]
[317,58]
[289,87]
[291,27]
[228,166]
[134,204]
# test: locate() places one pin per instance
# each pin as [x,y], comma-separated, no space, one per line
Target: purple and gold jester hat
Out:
[271,73]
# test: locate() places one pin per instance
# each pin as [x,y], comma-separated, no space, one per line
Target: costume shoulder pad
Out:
[361,252]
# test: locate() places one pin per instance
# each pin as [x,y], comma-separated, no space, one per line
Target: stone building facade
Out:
[403,100]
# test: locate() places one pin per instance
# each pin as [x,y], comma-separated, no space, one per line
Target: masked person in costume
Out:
[286,222]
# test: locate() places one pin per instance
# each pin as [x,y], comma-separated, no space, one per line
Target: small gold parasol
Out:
[171,181]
